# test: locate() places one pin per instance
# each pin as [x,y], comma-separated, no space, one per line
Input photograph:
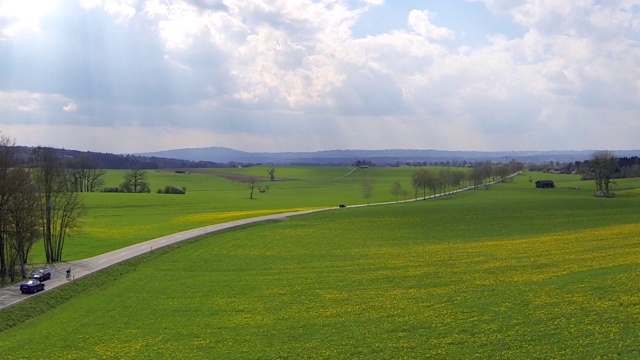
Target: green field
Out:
[511,272]
[116,220]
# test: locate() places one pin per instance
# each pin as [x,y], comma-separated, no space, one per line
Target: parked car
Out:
[41,274]
[31,286]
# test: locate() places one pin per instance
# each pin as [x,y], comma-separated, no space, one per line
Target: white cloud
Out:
[37,104]
[23,15]
[253,73]
[374,2]
[123,10]
[420,22]
[70,107]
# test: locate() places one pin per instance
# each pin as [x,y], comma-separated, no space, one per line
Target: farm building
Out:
[545,184]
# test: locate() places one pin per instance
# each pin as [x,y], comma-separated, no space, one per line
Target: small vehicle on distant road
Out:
[31,286]
[41,274]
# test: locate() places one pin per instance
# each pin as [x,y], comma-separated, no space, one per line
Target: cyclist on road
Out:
[69,274]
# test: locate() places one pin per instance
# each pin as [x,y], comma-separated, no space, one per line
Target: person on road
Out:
[69,274]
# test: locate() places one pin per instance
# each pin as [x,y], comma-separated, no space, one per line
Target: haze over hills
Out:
[378,157]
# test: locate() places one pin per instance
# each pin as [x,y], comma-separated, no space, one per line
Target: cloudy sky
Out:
[127,76]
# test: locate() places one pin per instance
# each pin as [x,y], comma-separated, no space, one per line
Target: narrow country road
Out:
[11,295]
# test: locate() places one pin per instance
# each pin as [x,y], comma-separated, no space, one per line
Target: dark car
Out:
[40,274]
[31,286]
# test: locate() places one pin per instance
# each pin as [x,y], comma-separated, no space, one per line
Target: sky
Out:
[132,76]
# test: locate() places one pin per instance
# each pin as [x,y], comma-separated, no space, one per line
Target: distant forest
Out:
[116,161]
[625,167]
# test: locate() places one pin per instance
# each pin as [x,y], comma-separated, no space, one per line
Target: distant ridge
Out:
[378,157]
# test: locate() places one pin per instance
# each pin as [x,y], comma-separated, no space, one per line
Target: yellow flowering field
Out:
[499,274]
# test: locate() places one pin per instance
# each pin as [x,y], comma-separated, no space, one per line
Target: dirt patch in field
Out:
[235,177]
[240,178]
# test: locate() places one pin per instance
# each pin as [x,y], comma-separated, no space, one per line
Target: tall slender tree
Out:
[8,187]
[61,208]
[253,182]
[396,189]
[23,218]
[367,188]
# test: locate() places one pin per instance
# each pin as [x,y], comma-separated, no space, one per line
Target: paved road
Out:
[11,295]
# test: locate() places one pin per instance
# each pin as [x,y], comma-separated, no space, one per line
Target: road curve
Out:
[11,295]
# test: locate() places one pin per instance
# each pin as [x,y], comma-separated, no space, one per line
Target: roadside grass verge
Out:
[509,272]
[43,303]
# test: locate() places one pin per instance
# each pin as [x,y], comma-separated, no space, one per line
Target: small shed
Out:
[545,184]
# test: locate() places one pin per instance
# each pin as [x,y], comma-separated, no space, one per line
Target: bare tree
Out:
[367,188]
[8,187]
[514,166]
[60,204]
[85,175]
[420,180]
[457,178]
[431,182]
[396,189]
[501,172]
[603,165]
[135,181]
[477,175]
[252,186]
[23,215]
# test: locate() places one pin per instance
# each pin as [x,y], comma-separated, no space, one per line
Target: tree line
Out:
[622,167]
[427,182]
[123,162]
[39,200]
[603,167]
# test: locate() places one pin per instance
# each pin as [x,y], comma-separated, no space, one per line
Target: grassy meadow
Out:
[116,220]
[511,272]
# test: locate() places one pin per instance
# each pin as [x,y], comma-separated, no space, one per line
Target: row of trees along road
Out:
[437,181]
[38,201]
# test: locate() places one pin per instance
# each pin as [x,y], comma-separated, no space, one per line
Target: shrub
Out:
[173,190]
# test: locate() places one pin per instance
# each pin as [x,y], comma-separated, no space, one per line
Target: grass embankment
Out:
[510,272]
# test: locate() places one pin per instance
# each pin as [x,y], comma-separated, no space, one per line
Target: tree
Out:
[23,218]
[477,175]
[397,190]
[367,188]
[457,177]
[9,184]
[445,178]
[60,205]
[85,175]
[272,174]
[135,181]
[603,165]
[501,172]
[421,180]
[515,166]
[252,186]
